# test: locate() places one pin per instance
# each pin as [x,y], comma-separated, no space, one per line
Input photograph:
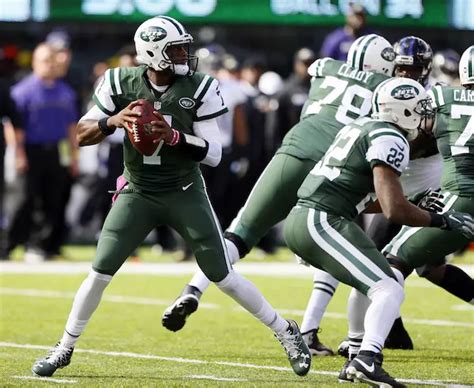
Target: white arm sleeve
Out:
[209,131]
[94,114]
[104,92]
[212,103]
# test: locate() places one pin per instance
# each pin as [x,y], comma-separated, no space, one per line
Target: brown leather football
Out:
[141,136]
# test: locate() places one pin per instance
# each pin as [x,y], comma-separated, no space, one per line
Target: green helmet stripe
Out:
[364,50]
[354,53]
[470,64]
[376,100]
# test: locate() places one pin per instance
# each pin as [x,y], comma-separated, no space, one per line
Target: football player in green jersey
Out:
[453,130]
[166,187]
[363,164]
[340,92]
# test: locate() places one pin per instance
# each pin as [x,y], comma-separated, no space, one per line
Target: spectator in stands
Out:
[337,43]
[8,110]
[48,110]
[291,98]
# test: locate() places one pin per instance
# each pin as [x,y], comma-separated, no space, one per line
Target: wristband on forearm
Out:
[175,138]
[195,146]
[437,221]
[104,128]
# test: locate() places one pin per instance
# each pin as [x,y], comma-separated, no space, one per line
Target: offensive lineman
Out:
[340,93]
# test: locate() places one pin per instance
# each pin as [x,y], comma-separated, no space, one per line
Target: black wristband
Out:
[104,128]
[195,146]
[437,220]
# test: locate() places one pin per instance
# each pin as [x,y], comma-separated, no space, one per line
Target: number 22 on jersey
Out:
[338,152]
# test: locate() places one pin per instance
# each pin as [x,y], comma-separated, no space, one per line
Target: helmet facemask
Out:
[180,64]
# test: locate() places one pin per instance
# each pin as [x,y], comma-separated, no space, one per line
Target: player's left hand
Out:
[162,128]
[431,200]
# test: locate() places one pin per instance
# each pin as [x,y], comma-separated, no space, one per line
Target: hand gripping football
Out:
[141,136]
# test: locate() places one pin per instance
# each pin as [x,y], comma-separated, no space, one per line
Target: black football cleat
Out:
[398,338]
[366,367]
[174,317]
[316,347]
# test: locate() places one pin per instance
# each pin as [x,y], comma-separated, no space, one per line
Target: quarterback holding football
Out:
[162,182]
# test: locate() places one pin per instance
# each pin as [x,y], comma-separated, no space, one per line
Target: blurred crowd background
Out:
[54,53]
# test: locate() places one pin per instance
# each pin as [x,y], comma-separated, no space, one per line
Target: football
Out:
[141,136]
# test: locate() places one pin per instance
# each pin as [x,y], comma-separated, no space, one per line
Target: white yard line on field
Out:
[214,378]
[157,302]
[267,269]
[463,307]
[226,363]
[109,298]
[48,379]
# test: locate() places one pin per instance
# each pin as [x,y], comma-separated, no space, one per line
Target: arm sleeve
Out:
[209,131]
[103,94]
[212,103]
[391,151]
[95,113]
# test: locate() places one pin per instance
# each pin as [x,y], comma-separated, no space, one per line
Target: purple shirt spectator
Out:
[337,43]
[47,110]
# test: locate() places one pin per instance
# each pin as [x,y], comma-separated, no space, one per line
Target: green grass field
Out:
[125,344]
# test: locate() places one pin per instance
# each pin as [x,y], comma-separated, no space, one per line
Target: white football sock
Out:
[324,286]
[251,299]
[400,280]
[357,305]
[386,296]
[200,281]
[85,302]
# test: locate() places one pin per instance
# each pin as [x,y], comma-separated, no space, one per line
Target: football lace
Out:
[136,137]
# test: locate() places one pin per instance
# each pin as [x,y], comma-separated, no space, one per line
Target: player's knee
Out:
[238,242]
[212,263]
[229,282]
[387,289]
[397,263]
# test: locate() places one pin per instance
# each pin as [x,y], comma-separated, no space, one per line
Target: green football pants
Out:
[336,245]
[417,247]
[135,214]
[271,199]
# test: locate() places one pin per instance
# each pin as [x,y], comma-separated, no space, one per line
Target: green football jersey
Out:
[454,130]
[339,94]
[341,183]
[187,100]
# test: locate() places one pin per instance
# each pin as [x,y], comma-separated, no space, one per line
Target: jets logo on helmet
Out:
[466,67]
[404,92]
[153,34]
[372,53]
[388,54]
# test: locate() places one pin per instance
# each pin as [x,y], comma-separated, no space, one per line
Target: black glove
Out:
[458,222]
[432,200]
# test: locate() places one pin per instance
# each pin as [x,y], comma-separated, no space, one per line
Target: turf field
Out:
[125,344]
